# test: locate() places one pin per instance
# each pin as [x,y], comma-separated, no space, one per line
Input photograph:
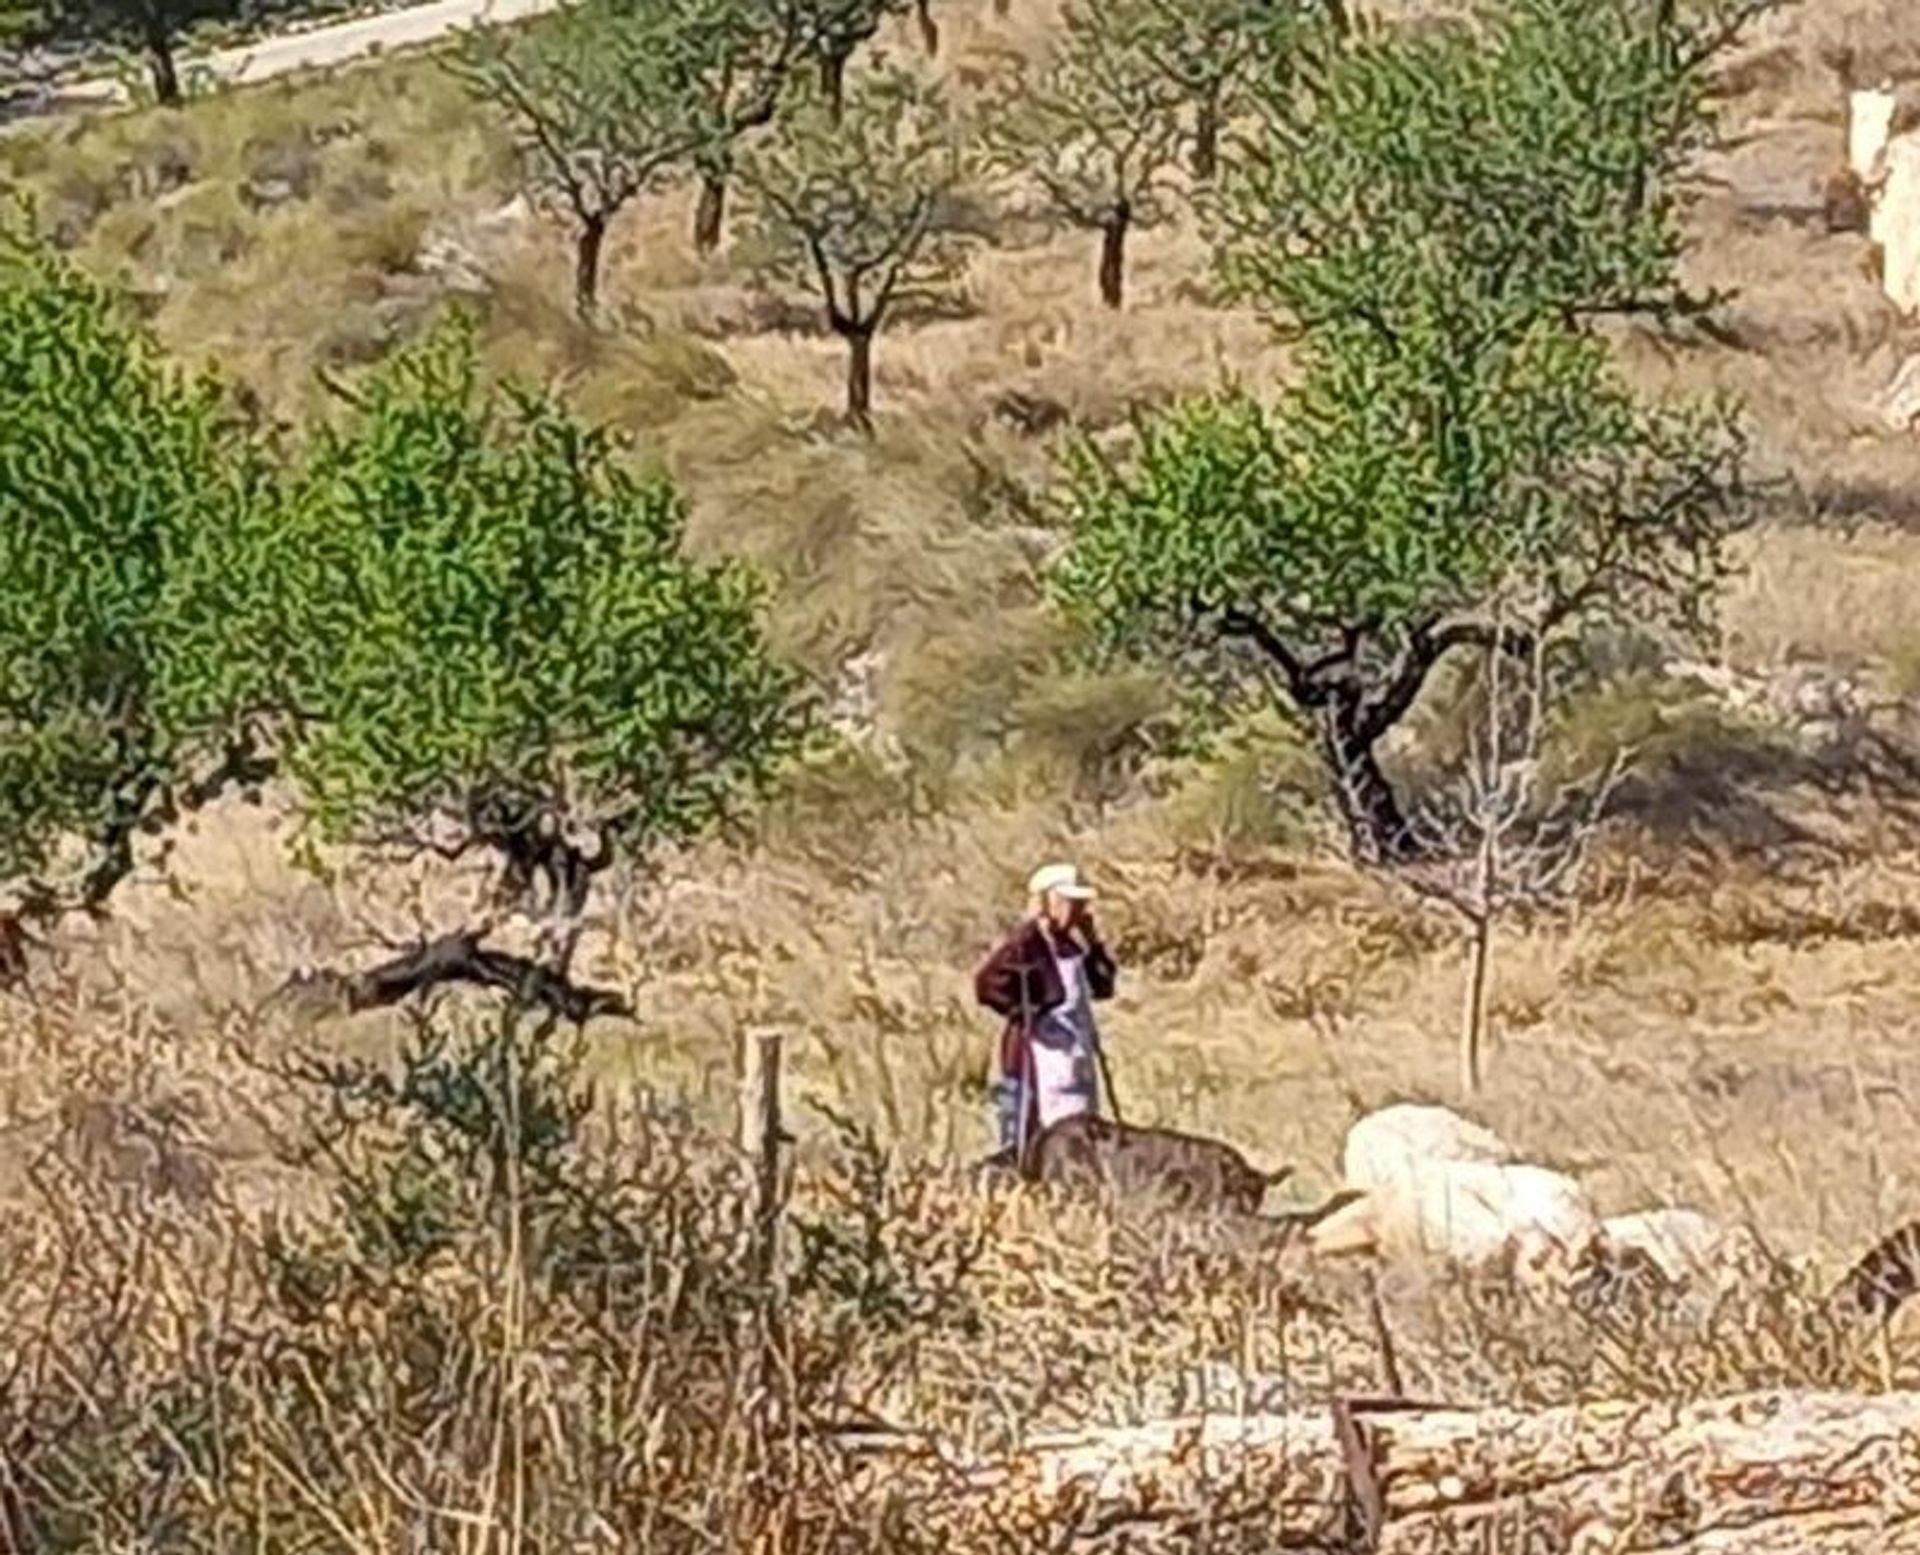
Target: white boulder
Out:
[1682,1243]
[1389,1146]
[1481,1217]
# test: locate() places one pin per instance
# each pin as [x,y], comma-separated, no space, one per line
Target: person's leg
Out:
[1028,1109]
[1007,1102]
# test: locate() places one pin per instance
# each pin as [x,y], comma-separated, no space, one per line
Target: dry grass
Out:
[1723,1021]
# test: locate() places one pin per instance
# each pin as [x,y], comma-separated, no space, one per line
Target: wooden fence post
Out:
[760,1137]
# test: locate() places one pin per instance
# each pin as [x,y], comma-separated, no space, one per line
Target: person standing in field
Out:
[1043,980]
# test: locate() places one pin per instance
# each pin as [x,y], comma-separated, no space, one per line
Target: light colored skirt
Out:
[1064,1078]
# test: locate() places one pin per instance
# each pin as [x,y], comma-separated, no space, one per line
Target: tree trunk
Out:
[1113,254]
[588,244]
[1779,1473]
[1473,1014]
[163,69]
[459,957]
[709,215]
[833,81]
[859,338]
[1377,829]
[929,28]
[14,940]
[1206,140]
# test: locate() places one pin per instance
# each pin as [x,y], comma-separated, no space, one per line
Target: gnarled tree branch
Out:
[459,957]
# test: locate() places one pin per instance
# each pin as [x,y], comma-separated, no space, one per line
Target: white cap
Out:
[1062,880]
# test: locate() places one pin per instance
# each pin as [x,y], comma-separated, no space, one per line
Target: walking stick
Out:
[1026,1088]
[1106,1080]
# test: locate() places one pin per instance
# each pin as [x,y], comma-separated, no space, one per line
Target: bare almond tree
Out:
[617,98]
[852,207]
[1502,839]
[1097,128]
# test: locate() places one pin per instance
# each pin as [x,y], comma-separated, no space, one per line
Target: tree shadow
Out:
[1782,804]
[775,313]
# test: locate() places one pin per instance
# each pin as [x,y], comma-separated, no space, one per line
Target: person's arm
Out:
[996,984]
[1102,974]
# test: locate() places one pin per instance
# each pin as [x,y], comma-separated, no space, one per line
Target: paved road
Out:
[319,46]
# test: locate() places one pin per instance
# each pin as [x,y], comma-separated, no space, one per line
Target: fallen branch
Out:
[14,940]
[457,958]
[1813,1473]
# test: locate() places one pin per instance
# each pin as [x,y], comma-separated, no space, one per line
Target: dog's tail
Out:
[1285,1232]
[1883,1278]
[1307,1219]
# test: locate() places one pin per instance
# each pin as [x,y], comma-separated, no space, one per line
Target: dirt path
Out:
[313,48]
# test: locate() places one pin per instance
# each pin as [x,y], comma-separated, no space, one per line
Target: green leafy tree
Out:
[1209,50]
[1443,218]
[495,642]
[836,30]
[154,28]
[132,509]
[855,210]
[1097,127]
[755,46]
[605,101]
[1546,176]
[21,24]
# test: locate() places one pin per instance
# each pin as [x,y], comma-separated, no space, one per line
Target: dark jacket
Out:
[1020,982]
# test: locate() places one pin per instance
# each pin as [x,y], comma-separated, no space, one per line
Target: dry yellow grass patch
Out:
[1725,1022]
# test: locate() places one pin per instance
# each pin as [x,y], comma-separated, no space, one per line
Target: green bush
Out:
[136,515]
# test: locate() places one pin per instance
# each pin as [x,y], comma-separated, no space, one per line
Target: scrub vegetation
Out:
[521,563]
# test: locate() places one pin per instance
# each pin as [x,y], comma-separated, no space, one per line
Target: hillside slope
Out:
[1739,967]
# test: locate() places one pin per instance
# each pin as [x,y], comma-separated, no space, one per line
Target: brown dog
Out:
[1184,1169]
